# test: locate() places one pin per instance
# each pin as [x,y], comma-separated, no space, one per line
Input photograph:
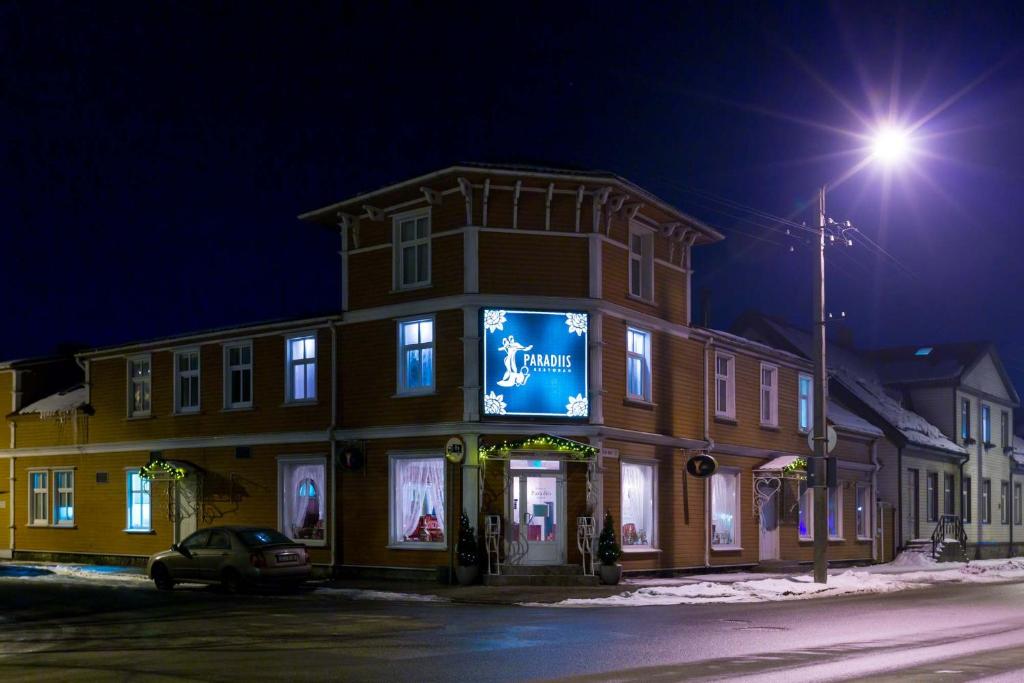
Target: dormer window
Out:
[923,351]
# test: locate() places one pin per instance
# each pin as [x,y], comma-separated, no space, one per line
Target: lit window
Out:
[965,500]
[139,386]
[986,424]
[806,512]
[637,505]
[725,508]
[986,501]
[301,491]
[864,505]
[416,356]
[769,395]
[923,351]
[805,408]
[301,363]
[412,250]
[965,419]
[932,496]
[138,502]
[238,375]
[39,498]
[641,264]
[638,364]
[417,501]
[835,512]
[725,386]
[186,381]
[64,500]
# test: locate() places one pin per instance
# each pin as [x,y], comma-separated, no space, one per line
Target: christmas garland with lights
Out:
[798,465]
[543,442]
[162,467]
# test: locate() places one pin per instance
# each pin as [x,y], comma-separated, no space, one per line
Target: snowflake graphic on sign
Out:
[494,320]
[494,404]
[577,406]
[577,323]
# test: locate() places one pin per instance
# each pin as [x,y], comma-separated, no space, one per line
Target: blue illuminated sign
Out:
[535,363]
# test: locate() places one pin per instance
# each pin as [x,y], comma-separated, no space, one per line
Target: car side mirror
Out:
[181,549]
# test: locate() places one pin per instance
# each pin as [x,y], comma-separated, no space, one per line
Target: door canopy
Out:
[575,450]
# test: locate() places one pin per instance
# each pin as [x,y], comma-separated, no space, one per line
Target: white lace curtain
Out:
[420,489]
[636,502]
[297,497]
[723,508]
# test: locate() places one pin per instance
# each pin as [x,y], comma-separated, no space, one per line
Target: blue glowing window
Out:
[923,351]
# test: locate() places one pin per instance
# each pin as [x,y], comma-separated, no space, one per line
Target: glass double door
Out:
[537,511]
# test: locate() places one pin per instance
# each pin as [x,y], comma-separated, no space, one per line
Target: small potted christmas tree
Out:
[467,567]
[609,552]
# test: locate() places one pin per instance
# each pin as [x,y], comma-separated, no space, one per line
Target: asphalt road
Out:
[67,631]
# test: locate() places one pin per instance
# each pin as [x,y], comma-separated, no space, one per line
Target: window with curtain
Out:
[637,504]
[638,364]
[416,356]
[139,386]
[769,395]
[186,381]
[412,250]
[418,501]
[303,499]
[725,509]
[805,409]
[835,512]
[64,498]
[39,501]
[725,386]
[806,512]
[301,363]
[139,518]
[864,505]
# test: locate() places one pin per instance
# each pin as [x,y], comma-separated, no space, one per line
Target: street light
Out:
[889,145]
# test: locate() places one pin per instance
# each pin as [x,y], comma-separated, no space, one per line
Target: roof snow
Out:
[62,402]
[843,418]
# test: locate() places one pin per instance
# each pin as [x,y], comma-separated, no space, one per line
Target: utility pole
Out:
[820,400]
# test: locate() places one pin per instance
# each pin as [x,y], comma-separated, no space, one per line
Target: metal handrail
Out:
[949,526]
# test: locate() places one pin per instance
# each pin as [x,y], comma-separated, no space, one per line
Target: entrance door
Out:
[769,547]
[914,501]
[537,510]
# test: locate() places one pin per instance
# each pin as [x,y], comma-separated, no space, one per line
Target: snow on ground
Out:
[360,594]
[66,572]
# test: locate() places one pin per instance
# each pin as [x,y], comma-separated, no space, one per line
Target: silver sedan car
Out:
[233,556]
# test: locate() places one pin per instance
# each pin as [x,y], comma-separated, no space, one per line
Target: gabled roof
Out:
[937,363]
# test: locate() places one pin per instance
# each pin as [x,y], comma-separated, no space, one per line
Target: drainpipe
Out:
[874,495]
[11,488]
[334,444]
[899,498]
[711,446]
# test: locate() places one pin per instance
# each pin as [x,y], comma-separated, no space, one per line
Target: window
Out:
[638,364]
[725,386]
[197,540]
[725,510]
[412,250]
[835,512]
[641,264]
[864,505]
[1016,504]
[806,512]
[64,499]
[138,502]
[139,386]
[986,501]
[186,381]
[769,395]
[986,424]
[932,496]
[805,408]
[39,498]
[965,419]
[923,351]
[219,540]
[300,384]
[1004,502]
[417,501]
[302,497]
[1004,430]
[965,500]
[416,356]
[637,505]
[947,494]
[238,375]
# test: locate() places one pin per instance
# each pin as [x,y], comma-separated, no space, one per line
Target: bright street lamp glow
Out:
[890,145]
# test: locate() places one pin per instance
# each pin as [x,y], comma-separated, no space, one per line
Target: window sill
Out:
[139,531]
[53,526]
[411,288]
[865,538]
[236,409]
[417,546]
[414,394]
[639,403]
[836,539]
[770,427]
[182,413]
[640,299]
[146,416]
[299,404]
[634,550]
[725,419]
[806,539]
[726,548]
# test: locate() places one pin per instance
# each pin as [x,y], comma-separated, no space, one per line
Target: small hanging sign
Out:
[455,450]
[701,465]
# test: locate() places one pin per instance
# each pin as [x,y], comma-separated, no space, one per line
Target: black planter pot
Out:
[467,575]
[610,574]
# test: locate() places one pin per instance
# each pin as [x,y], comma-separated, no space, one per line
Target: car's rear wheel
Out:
[231,581]
[162,578]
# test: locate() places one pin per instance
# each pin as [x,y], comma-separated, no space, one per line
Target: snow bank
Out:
[359,594]
[125,575]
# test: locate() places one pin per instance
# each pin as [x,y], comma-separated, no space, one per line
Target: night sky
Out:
[155,154]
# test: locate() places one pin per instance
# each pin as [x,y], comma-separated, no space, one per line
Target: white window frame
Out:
[401,388]
[58,491]
[800,403]
[985,496]
[931,496]
[241,367]
[179,409]
[986,423]
[644,261]
[128,501]
[966,500]
[737,537]
[33,492]
[1004,502]
[772,392]
[645,365]
[866,510]
[948,494]
[1018,492]
[321,460]
[145,381]
[729,411]
[807,499]
[417,243]
[652,535]
[837,491]
[291,363]
[394,457]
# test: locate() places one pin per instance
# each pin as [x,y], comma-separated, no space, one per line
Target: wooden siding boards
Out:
[533,265]
[371,273]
